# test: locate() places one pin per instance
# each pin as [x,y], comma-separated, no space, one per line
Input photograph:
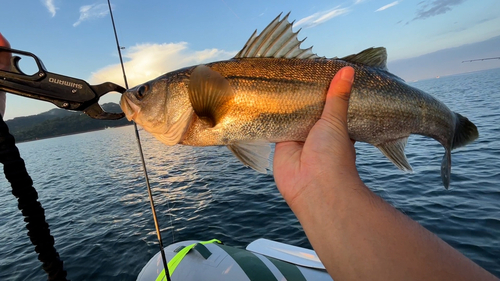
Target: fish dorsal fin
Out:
[277,40]
[253,154]
[177,130]
[395,151]
[375,57]
[208,92]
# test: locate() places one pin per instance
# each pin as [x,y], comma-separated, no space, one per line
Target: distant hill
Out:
[448,61]
[58,122]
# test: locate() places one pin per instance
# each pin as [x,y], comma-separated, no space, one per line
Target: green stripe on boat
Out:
[174,262]
[253,267]
[204,252]
[290,271]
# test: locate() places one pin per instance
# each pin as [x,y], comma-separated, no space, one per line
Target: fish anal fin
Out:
[374,57]
[252,154]
[277,40]
[177,130]
[395,151]
[208,93]
[446,168]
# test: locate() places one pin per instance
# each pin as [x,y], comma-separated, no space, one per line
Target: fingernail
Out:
[347,75]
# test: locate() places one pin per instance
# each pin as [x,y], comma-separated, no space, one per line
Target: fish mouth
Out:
[129,108]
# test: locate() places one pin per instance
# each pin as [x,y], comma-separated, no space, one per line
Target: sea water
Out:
[94,194]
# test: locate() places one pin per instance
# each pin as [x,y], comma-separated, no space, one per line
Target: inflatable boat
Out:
[262,260]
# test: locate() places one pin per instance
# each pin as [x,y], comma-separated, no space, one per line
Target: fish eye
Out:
[141,92]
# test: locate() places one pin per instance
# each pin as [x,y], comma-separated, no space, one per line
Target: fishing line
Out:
[157,227]
[493,58]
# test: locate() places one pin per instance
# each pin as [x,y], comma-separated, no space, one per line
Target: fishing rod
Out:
[493,58]
[151,201]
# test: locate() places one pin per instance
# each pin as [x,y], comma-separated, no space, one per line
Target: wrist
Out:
[327,194]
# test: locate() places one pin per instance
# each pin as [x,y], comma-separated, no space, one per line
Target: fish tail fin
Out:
[465,133]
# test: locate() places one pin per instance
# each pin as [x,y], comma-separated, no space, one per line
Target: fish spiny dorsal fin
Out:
[375,57]
[277,40]
[208,92]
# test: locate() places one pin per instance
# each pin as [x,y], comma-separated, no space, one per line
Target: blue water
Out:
[92,188]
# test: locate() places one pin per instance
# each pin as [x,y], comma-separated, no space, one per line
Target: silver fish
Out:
[274,91]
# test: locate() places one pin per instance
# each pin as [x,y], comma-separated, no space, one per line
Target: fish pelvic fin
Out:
[395,151]
[277,40]
[465,132]
[208,93]
[252,154]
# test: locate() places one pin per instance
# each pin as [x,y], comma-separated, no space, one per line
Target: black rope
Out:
[32,210]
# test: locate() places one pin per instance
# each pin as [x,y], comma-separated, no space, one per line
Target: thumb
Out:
[337,98]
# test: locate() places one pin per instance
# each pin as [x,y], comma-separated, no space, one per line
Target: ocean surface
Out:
[94,194]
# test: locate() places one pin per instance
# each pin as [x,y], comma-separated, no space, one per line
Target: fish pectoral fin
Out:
[177,130]
[395,151]
[208,93]
[252,154]
[375,57]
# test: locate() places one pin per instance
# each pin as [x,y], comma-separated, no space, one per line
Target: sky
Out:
[75,38]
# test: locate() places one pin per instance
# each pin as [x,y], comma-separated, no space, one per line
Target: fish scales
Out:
[280,100]
[275,99]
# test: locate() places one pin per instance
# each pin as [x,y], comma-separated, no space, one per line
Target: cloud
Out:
[321,17]
[49,4]
[436,7]
[387,6]
[90,12]
[358,1]
[148,61]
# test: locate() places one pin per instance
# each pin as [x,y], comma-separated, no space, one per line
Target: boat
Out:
[261,260]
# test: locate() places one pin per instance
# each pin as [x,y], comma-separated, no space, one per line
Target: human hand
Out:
[344,221]
[4,65]
[327,157]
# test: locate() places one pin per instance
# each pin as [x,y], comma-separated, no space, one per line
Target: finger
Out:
[337,98]
[4,42]
[4,56]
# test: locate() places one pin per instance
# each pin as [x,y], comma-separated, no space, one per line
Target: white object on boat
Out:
[285,252]
[262,260]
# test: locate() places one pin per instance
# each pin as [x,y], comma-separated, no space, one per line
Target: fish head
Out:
[161,107]
[145,104]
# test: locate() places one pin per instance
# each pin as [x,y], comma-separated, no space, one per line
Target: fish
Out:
[274,91]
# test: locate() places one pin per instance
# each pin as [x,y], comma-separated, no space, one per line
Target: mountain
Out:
[448,61]
[59,122]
